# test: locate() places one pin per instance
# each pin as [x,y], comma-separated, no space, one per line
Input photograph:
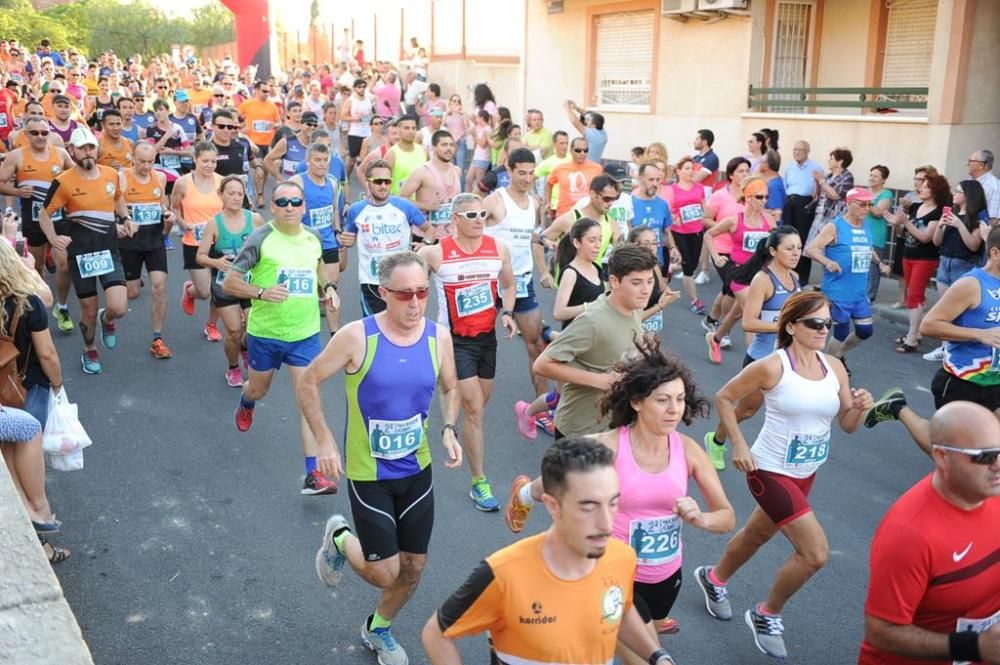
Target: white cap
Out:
[82,136]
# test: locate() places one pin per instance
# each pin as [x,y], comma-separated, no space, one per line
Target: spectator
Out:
[800,190]
[877,225]
[483,100]
[981,168]
[413,92]
[768,169]
[832,189]
[590,124]
[707,171]
[756,146]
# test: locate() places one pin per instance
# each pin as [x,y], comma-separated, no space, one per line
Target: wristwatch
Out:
[329,285]
[260,292]
[506,312]
[449,426]
[659,654]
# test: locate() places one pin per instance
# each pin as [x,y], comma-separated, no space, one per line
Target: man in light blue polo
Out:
[800,190]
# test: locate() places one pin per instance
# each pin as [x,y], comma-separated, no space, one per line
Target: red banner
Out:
[253,34]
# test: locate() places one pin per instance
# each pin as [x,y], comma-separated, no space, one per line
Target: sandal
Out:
[53,553]
[899,341]
[903,347]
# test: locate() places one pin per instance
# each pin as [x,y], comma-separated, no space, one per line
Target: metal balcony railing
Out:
[801,99]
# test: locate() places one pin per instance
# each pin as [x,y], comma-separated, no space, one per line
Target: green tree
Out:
[211,24]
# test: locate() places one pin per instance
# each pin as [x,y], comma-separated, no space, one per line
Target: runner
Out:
[514,218]
[686,198]
[749,227]
[357,110]
[283,260]
[931,596]
[144,201]
[604,192]
[662,295]
[653,462]
[406,156]
[844,249]
[86,194]
[114,149]
[653,212]
[770,272]
[966,317]
[262,118]
[583,355]
[387,447]
[581,276]
[562,596]
[189,124]
[168,138]
[196,197]
[225,234]
[573,177]
[324,199]
[380,225]
[434,184]
[289,147]
[724,203]
[32,168]
[804,390]
[560,155]
[472,270]
[60,121]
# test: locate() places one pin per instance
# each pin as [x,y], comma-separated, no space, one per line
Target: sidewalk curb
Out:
[895,315]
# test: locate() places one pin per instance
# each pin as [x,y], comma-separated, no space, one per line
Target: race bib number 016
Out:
[474,299]
[656,541]
[807,449]
[299,281]
[95,264]
[394,439]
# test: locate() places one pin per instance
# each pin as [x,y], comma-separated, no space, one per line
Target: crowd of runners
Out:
[108,164]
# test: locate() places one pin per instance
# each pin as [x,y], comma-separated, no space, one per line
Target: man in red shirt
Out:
[934,591]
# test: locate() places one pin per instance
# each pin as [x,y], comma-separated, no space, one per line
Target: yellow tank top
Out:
[405,164]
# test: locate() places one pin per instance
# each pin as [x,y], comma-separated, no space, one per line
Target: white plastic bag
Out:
[63,432]
[70,462]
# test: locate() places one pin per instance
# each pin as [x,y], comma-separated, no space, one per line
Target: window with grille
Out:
[623,60]
[792,40]
[909,43]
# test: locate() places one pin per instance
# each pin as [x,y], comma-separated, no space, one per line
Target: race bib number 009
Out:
[394,439]
[95,264]
[656,541]
[299,281]
[474,299]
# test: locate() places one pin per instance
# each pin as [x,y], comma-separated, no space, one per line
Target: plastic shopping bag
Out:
[70,462]
[63,432]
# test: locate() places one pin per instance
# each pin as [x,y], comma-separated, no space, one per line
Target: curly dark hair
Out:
[643,374]
[939,188]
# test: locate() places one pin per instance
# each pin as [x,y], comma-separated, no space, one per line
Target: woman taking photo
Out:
[920,254]
[224,236]
[804,390]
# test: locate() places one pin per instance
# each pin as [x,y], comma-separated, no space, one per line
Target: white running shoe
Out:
[702,278]
[935,356]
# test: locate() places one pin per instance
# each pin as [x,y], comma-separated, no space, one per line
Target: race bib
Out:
[995,361]
[261,126]
[300,281]
[321,218]
[656,541]
[691,213]
[394,439]
[95,264]
[975,626]
[474,299]
[861,259]
[807,449]
[36,208]
[288,167]
[750,240]
[170,161]
[442,215]
[198,230]
[3,120]
[654,324]
[522,282]
[145,214]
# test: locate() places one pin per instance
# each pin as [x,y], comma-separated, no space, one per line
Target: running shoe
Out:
[525,421]
[91,363]
[329,560]
[482,496]
[885,408]
[768,632]
[63,321]
[697,307]
[243,418]
[50,262]
[716,597]
[716,452]
[714,351]
[517,511]
[160,350]
[935,356]
[702,278]
[725,342]
[668,626]
[212,333]
[109,338]
[168,243]
[708,325]
[234,378]
[316,483]
[187,300]
[545,422]
[383,644]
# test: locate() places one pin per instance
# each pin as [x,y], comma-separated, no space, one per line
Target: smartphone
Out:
[946,211]
[20,247]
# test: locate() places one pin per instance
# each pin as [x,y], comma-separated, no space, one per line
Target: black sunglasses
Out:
[815,323]
[36,132]
[218,95]
[380,181]
[982,456]
[759,197]
[285,201]
[609,199]
[217,126]
[581,149]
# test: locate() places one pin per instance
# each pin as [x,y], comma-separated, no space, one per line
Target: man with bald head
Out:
[800,187]
[934,591]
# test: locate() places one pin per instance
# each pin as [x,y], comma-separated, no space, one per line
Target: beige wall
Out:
[460,76]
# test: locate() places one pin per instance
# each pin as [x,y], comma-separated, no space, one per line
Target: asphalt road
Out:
[192,545]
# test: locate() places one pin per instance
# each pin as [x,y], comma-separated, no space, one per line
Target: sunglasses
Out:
[225,126]
[982,456]
[407,296]
[218,96]
[285,201]
[377,123]
[816,323]
[759,197]
[473,215]
[581,150]
[36,132]
[311,124]
[380,181]
[609,199]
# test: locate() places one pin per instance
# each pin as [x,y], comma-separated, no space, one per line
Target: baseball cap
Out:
[181,96]
[488,182]
[437,113]
[61,99]
[82,136]
[616,171]
[309,118]
[859,194]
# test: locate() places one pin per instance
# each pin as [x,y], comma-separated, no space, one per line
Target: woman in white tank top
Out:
[804,390]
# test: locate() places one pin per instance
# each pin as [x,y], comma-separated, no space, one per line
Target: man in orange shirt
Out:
[262,119]
[563,596]
[572,177]
[198,94]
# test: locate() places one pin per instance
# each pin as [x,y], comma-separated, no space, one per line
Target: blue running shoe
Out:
[482,495]
[109,336]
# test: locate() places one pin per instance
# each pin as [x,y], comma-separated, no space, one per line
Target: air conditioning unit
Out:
[716,5]
[668,7]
